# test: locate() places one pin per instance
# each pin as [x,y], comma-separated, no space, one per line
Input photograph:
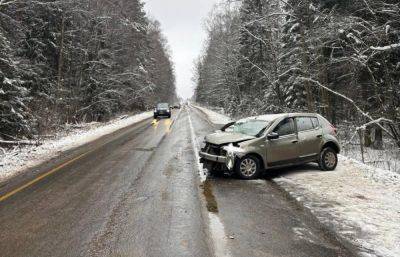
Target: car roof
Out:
[272,117]
[267,117]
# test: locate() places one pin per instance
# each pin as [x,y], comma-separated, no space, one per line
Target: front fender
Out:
[234,153]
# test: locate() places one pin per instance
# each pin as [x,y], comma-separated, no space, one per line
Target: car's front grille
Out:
[214,149]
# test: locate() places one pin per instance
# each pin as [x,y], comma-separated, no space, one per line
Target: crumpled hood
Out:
[221,138]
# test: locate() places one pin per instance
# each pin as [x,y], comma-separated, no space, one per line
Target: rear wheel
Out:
[328,159]
[248,167]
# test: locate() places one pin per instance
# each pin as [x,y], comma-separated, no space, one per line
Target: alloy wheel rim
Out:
[248,167]
[330,160]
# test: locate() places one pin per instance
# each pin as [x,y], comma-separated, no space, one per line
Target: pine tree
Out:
[14,114]
[75,61]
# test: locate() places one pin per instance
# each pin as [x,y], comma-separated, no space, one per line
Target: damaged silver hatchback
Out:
[251,145]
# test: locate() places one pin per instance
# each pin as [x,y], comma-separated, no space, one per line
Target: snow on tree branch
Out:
[351,101]
[386,48]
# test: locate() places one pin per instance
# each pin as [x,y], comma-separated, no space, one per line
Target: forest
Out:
[76,61]
[335,57]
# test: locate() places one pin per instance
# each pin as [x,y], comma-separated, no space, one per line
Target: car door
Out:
[310,137]
[284,149]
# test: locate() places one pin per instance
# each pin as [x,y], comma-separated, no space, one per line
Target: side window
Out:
[285,127]
[304,123]
[315,122]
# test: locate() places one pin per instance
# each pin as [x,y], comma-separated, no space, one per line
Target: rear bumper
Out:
[212,158]
[162,113]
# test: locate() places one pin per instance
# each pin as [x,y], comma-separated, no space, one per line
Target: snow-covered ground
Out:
[360,203]
[20,158]
[387,158]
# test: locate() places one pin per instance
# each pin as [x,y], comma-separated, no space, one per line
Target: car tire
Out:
[328,159]
[248,167]
[155,116]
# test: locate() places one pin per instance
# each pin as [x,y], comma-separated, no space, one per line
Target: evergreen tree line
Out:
[78,61]
[335,57]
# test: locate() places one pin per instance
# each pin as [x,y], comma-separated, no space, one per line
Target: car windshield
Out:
[162,106]
[250,127]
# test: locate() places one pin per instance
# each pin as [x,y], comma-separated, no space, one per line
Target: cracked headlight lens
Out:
[230,162]
[230,157]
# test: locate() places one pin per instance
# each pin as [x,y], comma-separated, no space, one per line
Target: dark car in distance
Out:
[162,110]
[176,106]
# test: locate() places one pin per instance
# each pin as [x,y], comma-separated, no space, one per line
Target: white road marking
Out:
[216,228]
[196,147]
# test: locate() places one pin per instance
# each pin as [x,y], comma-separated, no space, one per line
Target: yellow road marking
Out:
[155,124]
[13,192]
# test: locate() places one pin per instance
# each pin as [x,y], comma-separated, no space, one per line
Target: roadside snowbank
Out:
[360,203]
[20,158]
[358,209]
[214,117]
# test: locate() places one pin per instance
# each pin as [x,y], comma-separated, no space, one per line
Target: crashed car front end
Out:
[232,153]
[222,157]
[234,141]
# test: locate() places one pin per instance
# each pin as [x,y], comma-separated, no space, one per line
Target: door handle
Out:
[295,141]
[319,136]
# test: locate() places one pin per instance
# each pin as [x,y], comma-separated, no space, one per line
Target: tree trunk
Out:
[61,55]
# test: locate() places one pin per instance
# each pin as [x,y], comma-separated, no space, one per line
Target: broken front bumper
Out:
[228,161]
[211,157]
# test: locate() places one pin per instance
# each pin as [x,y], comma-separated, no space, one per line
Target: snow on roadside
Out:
[214,117]
[360,210]
[20,158]
[360,203]
[379,175]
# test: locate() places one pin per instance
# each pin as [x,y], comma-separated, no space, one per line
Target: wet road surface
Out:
[139,193]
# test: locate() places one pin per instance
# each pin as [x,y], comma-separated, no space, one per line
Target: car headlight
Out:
[230,162]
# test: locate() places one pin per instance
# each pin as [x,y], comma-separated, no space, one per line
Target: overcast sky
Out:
[182,22]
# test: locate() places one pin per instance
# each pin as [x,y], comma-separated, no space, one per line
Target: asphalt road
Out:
[138,192]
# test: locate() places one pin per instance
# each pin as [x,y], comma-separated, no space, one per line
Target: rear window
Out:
[304,123]
[162,106]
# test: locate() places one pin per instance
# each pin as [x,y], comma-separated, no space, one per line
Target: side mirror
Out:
[273,136]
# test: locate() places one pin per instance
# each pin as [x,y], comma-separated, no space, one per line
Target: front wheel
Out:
[328,159]
[248,167]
